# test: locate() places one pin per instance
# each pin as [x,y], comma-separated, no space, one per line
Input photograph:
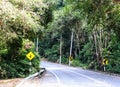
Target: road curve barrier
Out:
[38,74]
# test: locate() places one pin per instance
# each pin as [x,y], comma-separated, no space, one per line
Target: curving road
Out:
[64,76]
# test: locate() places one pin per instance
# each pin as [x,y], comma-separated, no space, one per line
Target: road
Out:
[64,76]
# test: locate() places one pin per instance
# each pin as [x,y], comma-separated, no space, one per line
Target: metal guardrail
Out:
[38,74]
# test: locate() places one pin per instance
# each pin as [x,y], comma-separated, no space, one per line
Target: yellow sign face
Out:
[30,55]
[105,61]
[70,58]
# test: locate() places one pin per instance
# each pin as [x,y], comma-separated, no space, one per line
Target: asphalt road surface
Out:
[64,76]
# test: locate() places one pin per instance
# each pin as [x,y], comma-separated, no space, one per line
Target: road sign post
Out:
[105,62]
[104,68]
[30,56]
[30,69]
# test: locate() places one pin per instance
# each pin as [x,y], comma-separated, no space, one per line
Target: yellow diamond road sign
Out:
[105,61]
[30,55]
[70,58]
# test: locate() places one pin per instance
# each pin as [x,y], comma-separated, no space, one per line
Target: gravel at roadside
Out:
[10,82]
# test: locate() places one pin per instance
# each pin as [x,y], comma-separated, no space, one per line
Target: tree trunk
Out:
[37,45]
[96,47]
[100,42]
[60,49]
[71,44]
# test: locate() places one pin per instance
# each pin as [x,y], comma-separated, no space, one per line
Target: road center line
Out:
[86,76]
[97,81]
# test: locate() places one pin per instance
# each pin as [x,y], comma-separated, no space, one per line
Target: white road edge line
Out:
[58,80]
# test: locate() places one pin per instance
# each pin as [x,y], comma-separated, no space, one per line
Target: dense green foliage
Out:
[95,25]
[20,24]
